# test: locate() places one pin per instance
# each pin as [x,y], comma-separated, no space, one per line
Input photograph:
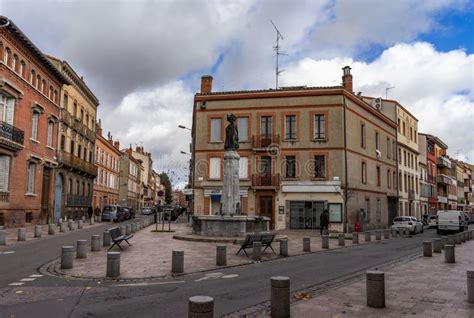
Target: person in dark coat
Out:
[89,211]
[324,221]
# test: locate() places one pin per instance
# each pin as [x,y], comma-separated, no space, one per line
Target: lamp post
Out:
[191,174]
[184,127]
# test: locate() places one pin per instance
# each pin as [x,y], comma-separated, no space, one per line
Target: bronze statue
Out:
[231,134]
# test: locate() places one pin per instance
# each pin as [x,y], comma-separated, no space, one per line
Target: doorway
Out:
[305,214]
[58,197]
[45,193]
[266,208]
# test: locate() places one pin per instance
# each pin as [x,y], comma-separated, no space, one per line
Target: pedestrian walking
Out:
[89,211]
[324,221]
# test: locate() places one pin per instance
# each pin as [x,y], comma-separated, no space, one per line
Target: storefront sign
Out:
[281,209]
[209,192]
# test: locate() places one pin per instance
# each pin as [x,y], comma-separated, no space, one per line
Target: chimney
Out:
[347,78]
[117,144]
[206,84]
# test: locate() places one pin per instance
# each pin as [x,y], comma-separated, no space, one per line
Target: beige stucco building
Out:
[147,185]
[131,171]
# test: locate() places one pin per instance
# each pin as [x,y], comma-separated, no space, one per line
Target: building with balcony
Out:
[130,180]
[29,114]
[148,188]
[302,149]
[107,160]
[446,183]
[75,175]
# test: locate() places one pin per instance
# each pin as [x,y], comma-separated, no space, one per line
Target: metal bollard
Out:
[470,286]
[386,234]
[306,244]
[67,257]
[449,254]
[62,227]
[355,238]
[257,251]
[451,239]
[113,264]
[21,234]
[123,229]
[201,307]
[341,239]
[325,241]
[280,297]
[367,236]
[81,249]
[177,262]
[95,243]
[284,247]
[444,241]
[38,230]
[437,245]
[79,224]
[106,238]
[378,235]
[221,255]
[427,249]
[3,238]
[375,289]
[51,229]
[128,229]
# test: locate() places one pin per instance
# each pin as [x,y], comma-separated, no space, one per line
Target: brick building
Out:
[30,88]
[130,182]
[302,149]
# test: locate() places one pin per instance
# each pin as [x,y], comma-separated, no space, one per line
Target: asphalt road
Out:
[232,288]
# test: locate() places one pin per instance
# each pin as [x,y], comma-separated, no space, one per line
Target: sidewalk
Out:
[424,287]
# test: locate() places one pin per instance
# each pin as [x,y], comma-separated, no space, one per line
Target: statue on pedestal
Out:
[231,134]
[230,199]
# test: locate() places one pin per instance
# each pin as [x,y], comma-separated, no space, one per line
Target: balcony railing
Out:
[11,133]
[4,197]
[77,125]
[444,162]
[411,195]
[78,200]
[74,162]
[432,179]
[272,181]
[265,141]
[444,179]
[442,199]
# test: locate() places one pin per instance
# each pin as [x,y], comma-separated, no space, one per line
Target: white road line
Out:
[28,279]
[36,275]
[230,276]
[148,284]
[7,252]
[15,284]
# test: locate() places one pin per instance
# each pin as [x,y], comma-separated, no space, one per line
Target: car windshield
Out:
[109,209]
[401,219]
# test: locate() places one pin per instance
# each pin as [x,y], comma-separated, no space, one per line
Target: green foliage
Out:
[165,180]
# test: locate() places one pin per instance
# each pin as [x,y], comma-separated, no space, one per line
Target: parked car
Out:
[124,214]
[112,213]
[410,222]
[452,221]
[147,211]
[131,214]
[432,221]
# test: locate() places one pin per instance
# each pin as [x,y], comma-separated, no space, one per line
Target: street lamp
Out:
[184,127]
[185,153]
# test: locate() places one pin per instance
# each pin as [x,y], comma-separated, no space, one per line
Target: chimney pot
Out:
[206,84]
[347,78]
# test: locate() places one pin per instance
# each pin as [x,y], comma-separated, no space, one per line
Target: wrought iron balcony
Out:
[270,180]
[444,179]
[444,162]
[77,125]
[78,200]
[66,159]
[11,136]
[411,195]
[265,141]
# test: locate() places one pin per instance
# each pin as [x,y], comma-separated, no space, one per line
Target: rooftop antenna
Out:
[387,89]
[278,53]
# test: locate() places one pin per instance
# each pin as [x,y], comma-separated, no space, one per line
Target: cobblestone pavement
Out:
[424,287]
[150,254]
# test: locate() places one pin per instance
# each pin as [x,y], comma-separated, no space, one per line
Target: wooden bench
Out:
[118,238]
[265,238]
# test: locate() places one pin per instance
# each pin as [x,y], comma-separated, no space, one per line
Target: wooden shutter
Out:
[243,168]
[4,172]
[31,177]
[34,125]
[10,111]
[50,133]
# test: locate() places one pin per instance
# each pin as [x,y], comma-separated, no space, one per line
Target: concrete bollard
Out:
[38,230]
[437,245]
[280,297]
[367,236]
[451,240]
[386,234]
[341,239]
[306,244]
[79,224]
[133,227]
[128,229]
[83,218]
[394,233]
[95,243]
[444,241]
[221,255]
[123,230]
[70,225]
[201,307]
[81,249]
[375,289]
[91,221]
[257,251]
[427,249]
[449,254]
[457,239]
[325,241]
[67,257]
[355,238]
[21,234]
[177,262]
[51,229]
[470,286]
[3,238]
[106,240]
[113,264]
[284,247]
[378,235]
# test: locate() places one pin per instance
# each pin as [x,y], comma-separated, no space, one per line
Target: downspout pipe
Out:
[345,166]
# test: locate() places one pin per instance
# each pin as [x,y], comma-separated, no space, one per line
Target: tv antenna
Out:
[387,89]
[278,53]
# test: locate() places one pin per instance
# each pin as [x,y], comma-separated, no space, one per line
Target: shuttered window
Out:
[216,129]
[34,125]
[243,168]
[4,172]
[243,127]
[31,177]
[50,133]
[7,109]
[215,168]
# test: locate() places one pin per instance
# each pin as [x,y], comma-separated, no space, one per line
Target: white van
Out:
[451,221]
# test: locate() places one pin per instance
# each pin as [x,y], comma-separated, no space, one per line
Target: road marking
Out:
[230,276]
[15,284]
[7,252]
[28,279]
[148,284]
[209,275]
[36,275]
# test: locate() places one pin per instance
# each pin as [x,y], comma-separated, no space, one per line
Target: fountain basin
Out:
[229,226]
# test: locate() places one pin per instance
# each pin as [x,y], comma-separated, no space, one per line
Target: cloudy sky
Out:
[144,59]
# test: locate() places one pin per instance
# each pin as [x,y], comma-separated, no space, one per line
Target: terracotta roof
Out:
[281,89]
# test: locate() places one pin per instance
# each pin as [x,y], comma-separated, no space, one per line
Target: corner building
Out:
[302,149]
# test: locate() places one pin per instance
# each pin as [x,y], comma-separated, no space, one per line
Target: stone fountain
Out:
[230,222]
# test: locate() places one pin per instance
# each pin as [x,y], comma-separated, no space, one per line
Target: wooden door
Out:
[45,193]
[266,207]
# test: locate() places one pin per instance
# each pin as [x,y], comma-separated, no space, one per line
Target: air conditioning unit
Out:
[377,103]
[378,153]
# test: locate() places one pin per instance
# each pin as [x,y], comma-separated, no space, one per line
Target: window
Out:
[22,69]
[290,127]
[50,133]
[75,109]
[34,125]
[38,82]
[82,115]
[405,183]
[4,172]
[216,129]
[243,127]
[389,147]
[411,133]
[79,151]
[87,121]
[33,77]
[399,156]
[30,186]
[378,176]
[362,135]
[44,87]
[51,92]
[83,189]
[65,100]
[400,181]
[319,166]
[290,166]
[404,158]
[7,109]
[243,168]
[7,56]
[215,168]
[77,187]
[394,150]
[389,181]
[364,172]
[377,141]
[394,180]
[404,129]
[319,127]
[69,186]
[15,63]
[63,142]
[72,147]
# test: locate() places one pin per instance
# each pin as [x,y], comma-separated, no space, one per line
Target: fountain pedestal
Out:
[229,226]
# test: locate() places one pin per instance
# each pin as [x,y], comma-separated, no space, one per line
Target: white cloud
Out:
[437,87]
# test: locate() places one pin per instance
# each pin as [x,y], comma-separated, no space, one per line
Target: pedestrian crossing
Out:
[22,281]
